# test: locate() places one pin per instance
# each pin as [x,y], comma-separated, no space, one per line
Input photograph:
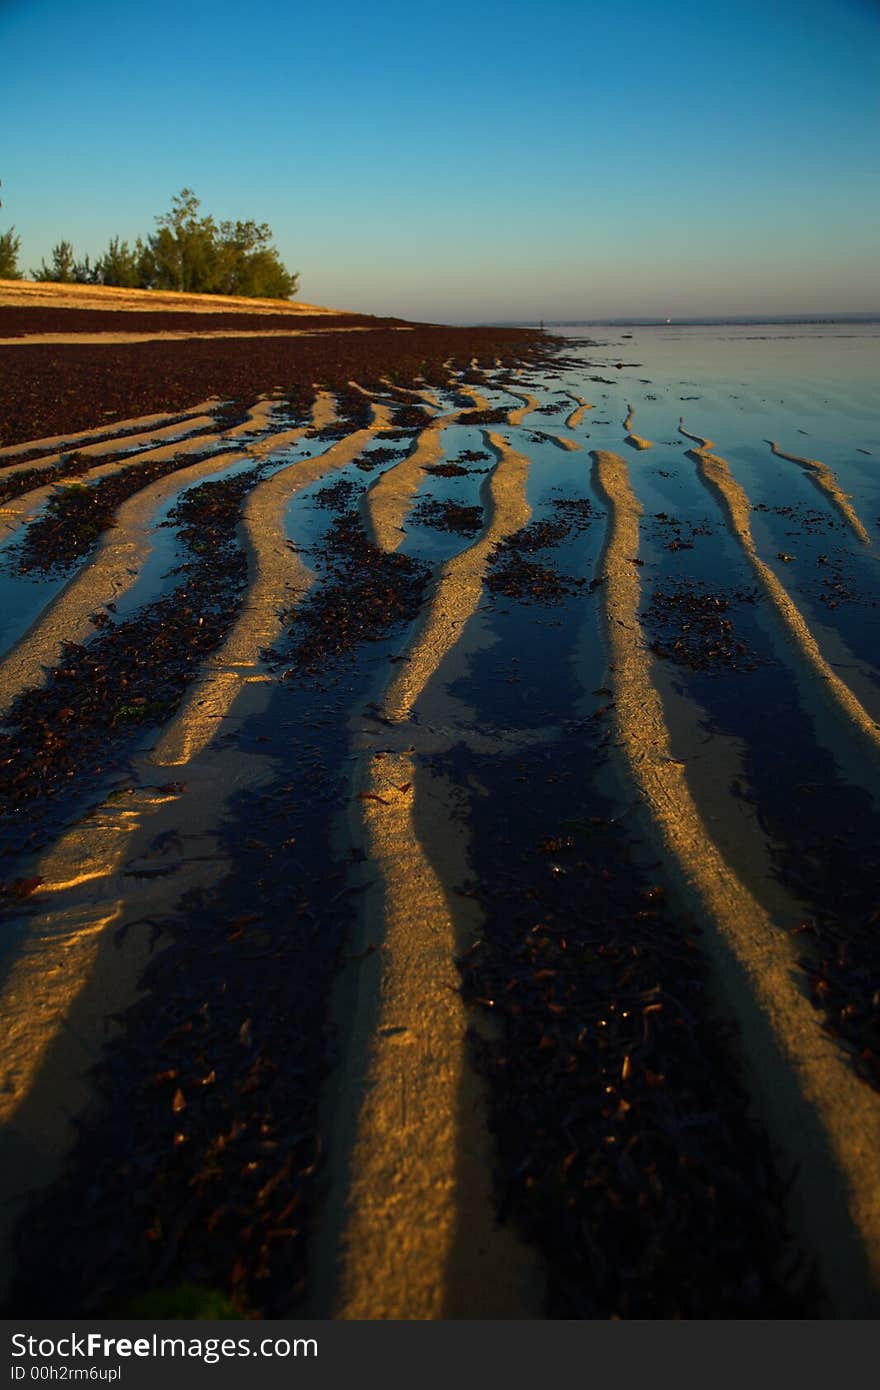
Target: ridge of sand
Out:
[114,566]
[819,473]
[480,402]
[18,511]
[698,439]
[421,1147]
[635,441]
[735,505]
[560,440]
[461,579]
[110,435]
[386,503]
[185,335]
[89,938]
[74,966]
[573,420]
[825,479]
[817,1110]
[46,294]
[519,413]
[165,434]
[279,580]
[429,397]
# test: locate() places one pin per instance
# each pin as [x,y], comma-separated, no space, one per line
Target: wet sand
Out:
[799,1068]
[362,733]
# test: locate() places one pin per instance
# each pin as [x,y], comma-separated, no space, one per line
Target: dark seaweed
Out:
[626,1147]
[448,516]
[364,594]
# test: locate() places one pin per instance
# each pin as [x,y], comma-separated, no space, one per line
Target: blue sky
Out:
[468,161]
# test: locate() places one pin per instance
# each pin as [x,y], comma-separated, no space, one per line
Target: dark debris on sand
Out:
[202,1164]
[77,514]
[447,470]
[336,497]
[28,479]
[676,534]
[65,736]
[695,627]
[455,468]
[483,417]
[512,574]
[189,1168]
[375,458]
[626,1150]
[448,516]
[364,593]
[18,320]
[52,388]
[353,412]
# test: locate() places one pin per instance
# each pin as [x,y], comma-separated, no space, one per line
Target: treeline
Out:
[187,252]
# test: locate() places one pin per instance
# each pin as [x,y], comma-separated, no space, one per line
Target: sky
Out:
[481,161]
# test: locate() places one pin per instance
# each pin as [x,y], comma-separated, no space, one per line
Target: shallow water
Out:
[812,389]
[522,797]
[763,723]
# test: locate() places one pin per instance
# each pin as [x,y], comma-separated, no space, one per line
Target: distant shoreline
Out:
[734,320]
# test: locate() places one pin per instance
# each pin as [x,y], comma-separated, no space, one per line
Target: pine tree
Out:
[84,273]
[188,252]
[9,248]
[120,265]
[191,253]
[62,271]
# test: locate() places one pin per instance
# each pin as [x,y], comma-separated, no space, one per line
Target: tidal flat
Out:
[439,813]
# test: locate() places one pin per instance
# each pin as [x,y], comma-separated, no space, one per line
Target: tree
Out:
[9,248]
[191,253]
[120,265]
[247,264]
[182,251]
[84,273]
[62,269]
[187,252]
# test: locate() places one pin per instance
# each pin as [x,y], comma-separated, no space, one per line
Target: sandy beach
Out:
[439,822]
